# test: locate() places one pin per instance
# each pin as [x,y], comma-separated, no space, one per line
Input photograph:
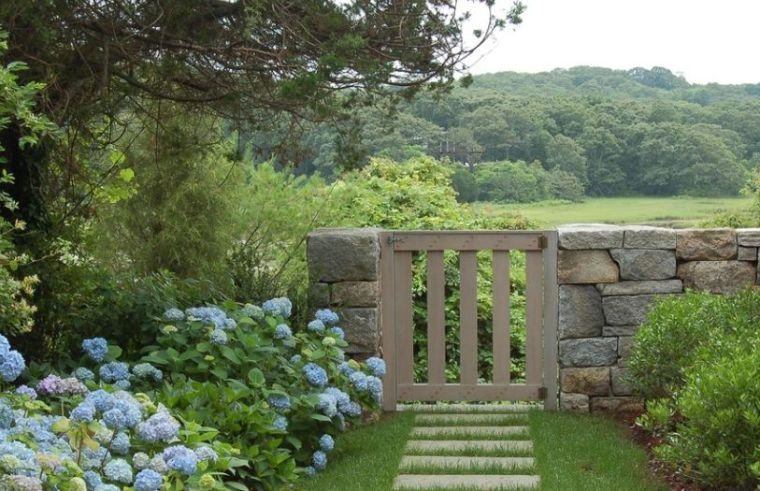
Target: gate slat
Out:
[533,307]
[388,321]
[468,312]
[436,318]
[501,317]
[404,326]
[550,321]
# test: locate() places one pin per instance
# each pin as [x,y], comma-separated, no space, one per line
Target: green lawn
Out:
[572,452]
[673,211]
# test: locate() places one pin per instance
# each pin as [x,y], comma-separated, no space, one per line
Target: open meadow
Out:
[676,211]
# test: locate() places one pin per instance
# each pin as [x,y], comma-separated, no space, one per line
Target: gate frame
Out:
[549,314]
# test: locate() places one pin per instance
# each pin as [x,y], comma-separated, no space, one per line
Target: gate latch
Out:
[543,242]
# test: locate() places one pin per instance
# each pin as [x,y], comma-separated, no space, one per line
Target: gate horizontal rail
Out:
[397,249]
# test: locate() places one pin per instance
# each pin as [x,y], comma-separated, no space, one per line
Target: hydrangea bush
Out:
[89,433]
[278,393]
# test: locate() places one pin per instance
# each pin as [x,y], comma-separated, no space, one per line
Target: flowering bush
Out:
[75,433]
[276,392]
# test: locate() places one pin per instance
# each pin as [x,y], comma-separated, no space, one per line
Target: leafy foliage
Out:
[699,354]
[253,382]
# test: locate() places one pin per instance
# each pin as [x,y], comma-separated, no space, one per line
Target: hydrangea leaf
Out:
[256,377]
[321,417]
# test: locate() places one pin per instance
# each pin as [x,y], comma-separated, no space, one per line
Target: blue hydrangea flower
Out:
[129,406]
[327,405]
[218,337]
[114,419]
[253,311]
[316,326]
[208,315]
[148,480]
[295,359]
[229,324]
[25,390]
[376,366]
[282,331]
[206,453]
[95,348]
[338,332]
[85,412]
[174,315]
[158,464]
[310,471]
[278,306]
[340,396]
[280,402]
[181,459]
[351,409]
[281,423]
[92,479]
[161,427]
[118,470]
[102,400]
[345,368]
[315,375]
[122,384]
[83,374]
[12,364]
[147,371]
[327,316]
[120,444]
[114,371]
[107,487]
[375,387]
[319,460]
[358,380]
[326,443]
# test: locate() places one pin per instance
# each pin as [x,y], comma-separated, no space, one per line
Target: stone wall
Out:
[608,278]
[344,271]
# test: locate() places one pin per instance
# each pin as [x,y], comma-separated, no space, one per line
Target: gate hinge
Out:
[542,392]
[543,242]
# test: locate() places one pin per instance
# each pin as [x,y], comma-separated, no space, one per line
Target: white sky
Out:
[704,40]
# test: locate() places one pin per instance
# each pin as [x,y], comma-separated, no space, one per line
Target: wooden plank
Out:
[404,327]
[533,301]
[462,392]
[501,317]
[468,317]
[467,241]
[388,321]
[551,318]
[436,317]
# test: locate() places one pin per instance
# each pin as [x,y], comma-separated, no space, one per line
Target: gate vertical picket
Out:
[404,326]
[533,302]
[501,361]
[436,284]
[468,317]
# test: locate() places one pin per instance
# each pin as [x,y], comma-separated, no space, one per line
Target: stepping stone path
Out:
[468,447]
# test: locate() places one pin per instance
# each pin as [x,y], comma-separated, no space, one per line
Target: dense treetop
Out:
[608,131]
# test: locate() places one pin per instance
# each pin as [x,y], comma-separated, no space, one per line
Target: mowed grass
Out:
[583,452]
[367,458]
[677,211]
[572,452]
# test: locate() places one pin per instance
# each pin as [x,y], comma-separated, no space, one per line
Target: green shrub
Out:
[681,331]
[245,372]
[718,442]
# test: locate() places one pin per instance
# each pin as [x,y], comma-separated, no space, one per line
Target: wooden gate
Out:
[397,249]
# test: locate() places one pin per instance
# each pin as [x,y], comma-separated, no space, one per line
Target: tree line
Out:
[580,131]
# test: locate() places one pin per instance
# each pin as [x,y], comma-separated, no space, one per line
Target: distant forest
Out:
[583,131]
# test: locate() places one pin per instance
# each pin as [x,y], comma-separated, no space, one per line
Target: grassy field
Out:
[675,211]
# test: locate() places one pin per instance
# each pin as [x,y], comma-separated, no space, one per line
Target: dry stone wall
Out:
[610,276]
[344,271]
[608,279]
